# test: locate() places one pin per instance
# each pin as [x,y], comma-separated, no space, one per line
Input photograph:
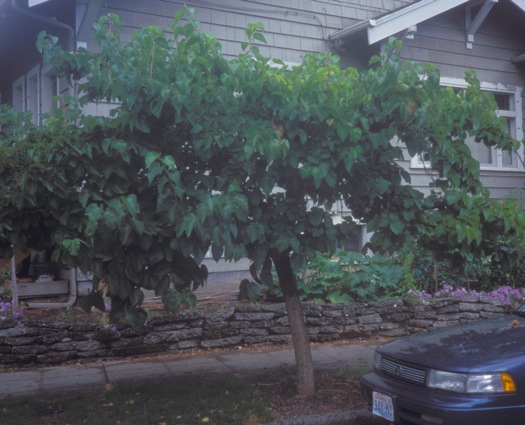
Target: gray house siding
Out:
[442,42]
[293,27]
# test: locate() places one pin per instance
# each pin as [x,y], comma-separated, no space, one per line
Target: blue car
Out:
[469,374]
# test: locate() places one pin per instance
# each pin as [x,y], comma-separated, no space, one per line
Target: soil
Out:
[335,390]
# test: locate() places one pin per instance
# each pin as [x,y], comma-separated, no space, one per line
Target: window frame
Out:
[516,115]
[33,91]
[50,87]
[36,91]
[19,94]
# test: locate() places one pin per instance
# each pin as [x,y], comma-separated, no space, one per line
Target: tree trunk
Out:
[303,354]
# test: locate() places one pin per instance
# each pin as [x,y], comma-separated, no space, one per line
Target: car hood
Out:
[496,345]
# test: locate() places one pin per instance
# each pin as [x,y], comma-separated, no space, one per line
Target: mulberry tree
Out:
[244,157]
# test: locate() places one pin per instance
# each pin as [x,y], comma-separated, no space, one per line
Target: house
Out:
[456,35]
[487,36]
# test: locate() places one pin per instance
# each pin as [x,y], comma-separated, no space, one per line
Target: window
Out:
[33,93]
[508,100]
[19,94]
[50,89]
[36,92]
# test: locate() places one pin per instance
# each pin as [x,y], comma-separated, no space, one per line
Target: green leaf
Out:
[216,252]
[72,246]
[151,157]
[397,227]
[83,198]
[187,225]
[142,124]
[135,317]
[125,233]
[138,226]
[259,37]
[382,186]
[136,297]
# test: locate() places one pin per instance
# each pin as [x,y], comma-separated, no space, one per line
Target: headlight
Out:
[471,383]
[456,382]
[377,361]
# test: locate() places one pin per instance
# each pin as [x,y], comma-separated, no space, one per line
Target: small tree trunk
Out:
[436,280]
[303,354]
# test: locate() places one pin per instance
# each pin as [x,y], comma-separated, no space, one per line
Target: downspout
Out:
[71,39]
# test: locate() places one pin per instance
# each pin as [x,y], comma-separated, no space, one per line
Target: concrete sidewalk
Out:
[95,375]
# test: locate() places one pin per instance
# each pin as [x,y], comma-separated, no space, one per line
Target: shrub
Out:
[349,276]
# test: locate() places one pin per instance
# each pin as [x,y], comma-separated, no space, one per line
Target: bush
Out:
[349,276]
[473,273]
[491,276]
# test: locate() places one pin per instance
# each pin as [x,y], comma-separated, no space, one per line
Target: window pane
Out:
[480,152]
[19,94]
[33,100]
[510,159]
[504,101]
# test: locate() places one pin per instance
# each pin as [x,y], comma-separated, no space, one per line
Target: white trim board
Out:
[399,20]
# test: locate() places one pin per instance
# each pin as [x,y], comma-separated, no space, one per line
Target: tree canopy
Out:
[246,157]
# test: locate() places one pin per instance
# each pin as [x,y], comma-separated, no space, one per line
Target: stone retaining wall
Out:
[27,343]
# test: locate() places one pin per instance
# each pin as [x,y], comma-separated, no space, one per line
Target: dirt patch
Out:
[335,391]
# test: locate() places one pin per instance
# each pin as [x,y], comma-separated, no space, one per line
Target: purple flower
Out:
[505,294]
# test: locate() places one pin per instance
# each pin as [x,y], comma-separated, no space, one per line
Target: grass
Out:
[181,401]
[354,373]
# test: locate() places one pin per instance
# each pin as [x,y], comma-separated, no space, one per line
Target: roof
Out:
[519,3]
[402,19]
[392,23]
[20,25]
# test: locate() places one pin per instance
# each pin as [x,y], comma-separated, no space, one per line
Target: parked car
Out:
[471,373]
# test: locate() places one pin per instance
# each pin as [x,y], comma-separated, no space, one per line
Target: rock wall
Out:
[29,343]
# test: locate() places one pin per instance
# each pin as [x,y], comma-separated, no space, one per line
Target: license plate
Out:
[383,406]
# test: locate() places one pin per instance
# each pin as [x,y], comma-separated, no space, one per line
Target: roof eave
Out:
[397,21]
[349,32]
[519,3]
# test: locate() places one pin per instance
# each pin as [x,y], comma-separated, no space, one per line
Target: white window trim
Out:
[35,91]
[19,94]
[49,80]
[33,88]
[517,114]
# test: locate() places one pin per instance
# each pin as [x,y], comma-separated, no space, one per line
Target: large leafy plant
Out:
[349,276]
